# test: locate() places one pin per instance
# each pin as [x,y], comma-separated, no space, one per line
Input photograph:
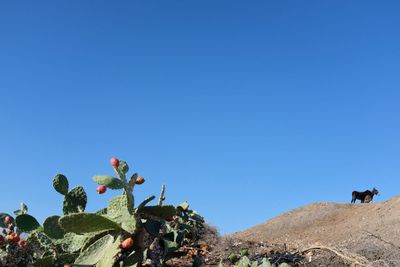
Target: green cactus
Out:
[60,184]
[145,202]
[109,181]
[73,243]
[110,257]
[101,211]
[244,252]
[132,181]
[95,252]
[58,260]
[117,206]
[123,167]
[52,228]
[265,263]
[41,239]
[81,223]
[26,223]
[244,261]
[118,211]
[93,237]
[153,227]
[134,259]
[164,212]
[22,210]
[233,258]
[172,241]
[75,201]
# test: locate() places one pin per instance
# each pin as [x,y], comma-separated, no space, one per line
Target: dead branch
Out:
[351,259]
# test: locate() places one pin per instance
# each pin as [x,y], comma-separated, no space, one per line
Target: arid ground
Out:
[322,234]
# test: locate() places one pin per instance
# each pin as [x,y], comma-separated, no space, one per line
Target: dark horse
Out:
[362,195]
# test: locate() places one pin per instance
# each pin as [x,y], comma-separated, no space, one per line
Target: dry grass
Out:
[367,233]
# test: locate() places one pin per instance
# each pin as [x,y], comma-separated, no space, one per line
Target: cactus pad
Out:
[101,211]
[26,223]
[117,206]
[81,223]
[134,259]
[75,201]
[62,259]
[118,211]
[60,184]
[153,227]
[109,181]
[93,237]
[110,256]
[172,240]
[123,167]
[145,202]
[52,228]
[96,251]
[41,240]
[164,212]
[71,242]
[22,210]
[132,181]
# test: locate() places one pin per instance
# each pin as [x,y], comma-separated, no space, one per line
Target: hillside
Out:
[364,233]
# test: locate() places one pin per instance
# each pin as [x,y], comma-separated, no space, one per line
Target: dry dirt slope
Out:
[369,232]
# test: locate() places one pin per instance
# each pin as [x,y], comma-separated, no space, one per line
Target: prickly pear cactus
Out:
[94,253]
[26,223]
[22,210]
[118,235]
[118,211]
[109,181]
[163,212]
[75,201]
[60,184]
[244,261]
[52,228]
[82,223]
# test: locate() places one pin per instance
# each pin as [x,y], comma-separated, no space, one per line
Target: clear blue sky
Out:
[244,108]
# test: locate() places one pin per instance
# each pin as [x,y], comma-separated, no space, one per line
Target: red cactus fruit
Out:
[23,243]
[101,189]
[12,237]
[7,220]
[127,243]
[139,180]
[114,162]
